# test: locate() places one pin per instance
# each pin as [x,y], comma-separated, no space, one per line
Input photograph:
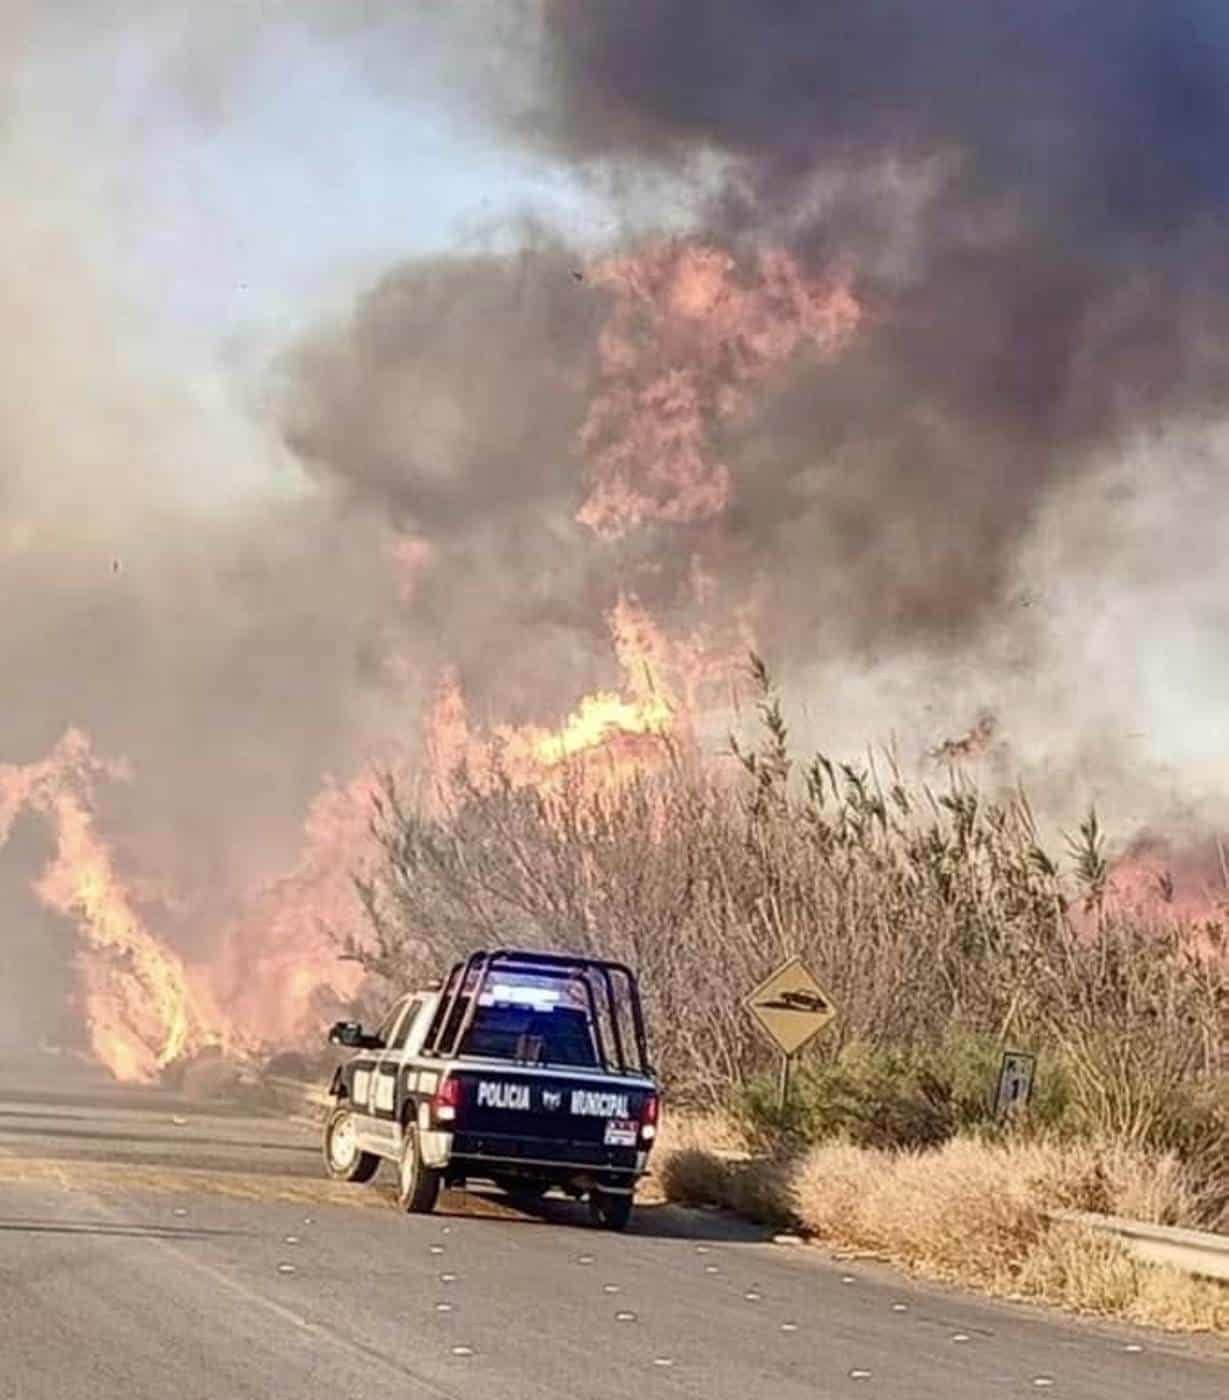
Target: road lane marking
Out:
[252,1297]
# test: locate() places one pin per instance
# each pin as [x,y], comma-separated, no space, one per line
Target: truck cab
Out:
[524,1069]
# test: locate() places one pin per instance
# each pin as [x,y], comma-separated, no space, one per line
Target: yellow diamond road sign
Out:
[791,1007]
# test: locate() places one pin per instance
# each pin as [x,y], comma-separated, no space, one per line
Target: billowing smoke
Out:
[230,644]
[979,503]
[927,391]
[1033,202]
[451,403]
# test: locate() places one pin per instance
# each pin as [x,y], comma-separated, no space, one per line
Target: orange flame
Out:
[690,333]
[1184,881]
[601,722]
[280,975]
[141,1010]
[597,718]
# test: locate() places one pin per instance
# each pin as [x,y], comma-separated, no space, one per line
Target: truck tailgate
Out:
[562,1108]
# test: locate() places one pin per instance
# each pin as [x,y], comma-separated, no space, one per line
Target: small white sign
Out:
[621,1132]
[1015,1083]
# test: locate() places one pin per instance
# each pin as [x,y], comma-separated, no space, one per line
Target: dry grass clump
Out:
[969,1211]
[756,1189]
[1083,1272]
[714,1133]
[975,1212]
[691,1176]
[697,1159]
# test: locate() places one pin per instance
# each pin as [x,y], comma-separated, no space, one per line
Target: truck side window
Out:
[389,1024]
[407,1022]
[449,1030]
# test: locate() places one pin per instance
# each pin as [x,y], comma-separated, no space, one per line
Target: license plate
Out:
[621,1132]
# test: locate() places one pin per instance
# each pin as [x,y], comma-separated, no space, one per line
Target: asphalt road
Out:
[155,1247]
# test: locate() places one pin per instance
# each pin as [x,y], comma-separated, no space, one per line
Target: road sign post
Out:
[790,1008]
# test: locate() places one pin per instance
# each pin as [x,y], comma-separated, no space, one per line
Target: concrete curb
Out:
[1195,1252]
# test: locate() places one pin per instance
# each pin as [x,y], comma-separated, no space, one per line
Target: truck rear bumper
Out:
[470,1152]
[464,1170]
[544,1152]
[584,1166]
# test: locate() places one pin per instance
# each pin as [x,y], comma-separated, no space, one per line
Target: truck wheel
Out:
[610,1212]
[343,1159]
[418,1186]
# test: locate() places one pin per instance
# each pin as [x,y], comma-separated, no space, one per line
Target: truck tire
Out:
[418,1185]
[343,1159]
[609,1211]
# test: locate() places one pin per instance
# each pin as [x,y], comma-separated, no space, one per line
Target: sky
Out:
[224,214]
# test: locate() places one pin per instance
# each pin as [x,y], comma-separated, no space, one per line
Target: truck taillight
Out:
[648,1118]
[446,1101]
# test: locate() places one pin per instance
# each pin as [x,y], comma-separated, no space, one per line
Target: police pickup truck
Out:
[527,1070]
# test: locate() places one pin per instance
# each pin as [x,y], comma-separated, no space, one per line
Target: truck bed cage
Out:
[449,1030]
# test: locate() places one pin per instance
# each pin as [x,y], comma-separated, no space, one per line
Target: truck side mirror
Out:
[347,1033]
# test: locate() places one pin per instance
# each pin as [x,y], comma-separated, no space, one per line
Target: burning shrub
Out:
[936,920]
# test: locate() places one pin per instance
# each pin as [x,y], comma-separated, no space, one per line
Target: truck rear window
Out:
[560,1036]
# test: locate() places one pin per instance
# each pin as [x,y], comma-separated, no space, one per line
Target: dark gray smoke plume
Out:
[1032,205]
[1061,284]
[1003,495]
[451,403]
